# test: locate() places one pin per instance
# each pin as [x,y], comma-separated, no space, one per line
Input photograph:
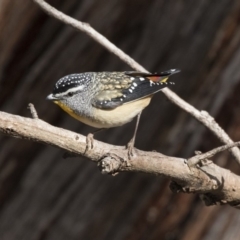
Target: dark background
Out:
[46,197]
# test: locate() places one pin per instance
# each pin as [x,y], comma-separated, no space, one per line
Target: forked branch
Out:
[215,184]
[201,116]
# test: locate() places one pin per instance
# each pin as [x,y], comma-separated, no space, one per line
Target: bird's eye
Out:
[70,94]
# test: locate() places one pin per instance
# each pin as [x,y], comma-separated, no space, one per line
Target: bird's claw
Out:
[130,147]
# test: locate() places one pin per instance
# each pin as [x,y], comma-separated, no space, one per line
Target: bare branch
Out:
[217,184]
[91,32]
[199,157]
[202,116]
[33,111]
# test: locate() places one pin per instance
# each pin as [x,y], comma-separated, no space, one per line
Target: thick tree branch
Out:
[201,116]
[217,185]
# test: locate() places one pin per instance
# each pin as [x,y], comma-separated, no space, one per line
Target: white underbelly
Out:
[118,116]
[110,118]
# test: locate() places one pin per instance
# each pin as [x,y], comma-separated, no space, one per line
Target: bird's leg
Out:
[130,145]
[90,139]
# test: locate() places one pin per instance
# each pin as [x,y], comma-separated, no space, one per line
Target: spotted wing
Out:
[131,86]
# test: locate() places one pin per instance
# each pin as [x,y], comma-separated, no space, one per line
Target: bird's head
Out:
[72,92]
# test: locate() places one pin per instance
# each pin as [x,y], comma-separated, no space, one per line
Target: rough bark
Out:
[217,184]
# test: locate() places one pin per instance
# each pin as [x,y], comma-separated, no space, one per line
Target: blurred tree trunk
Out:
[42,195]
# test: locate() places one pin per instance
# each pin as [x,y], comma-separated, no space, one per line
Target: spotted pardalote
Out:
[108,99]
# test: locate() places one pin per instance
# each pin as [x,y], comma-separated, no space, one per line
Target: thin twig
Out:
[202,116]
[199,157]
[91,32]
[33,111]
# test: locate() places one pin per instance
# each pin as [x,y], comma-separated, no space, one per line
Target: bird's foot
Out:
[89,141]
[130,148]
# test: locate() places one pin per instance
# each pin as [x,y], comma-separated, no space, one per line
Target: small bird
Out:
[108,99]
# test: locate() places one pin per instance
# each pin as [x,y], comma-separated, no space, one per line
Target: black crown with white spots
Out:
[71,81]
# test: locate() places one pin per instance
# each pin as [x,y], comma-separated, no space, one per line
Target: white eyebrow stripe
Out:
[75,89]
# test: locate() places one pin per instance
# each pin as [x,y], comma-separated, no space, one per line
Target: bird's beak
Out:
[51,97]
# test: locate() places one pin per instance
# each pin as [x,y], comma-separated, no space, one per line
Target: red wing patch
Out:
[154,78]
[157,79]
